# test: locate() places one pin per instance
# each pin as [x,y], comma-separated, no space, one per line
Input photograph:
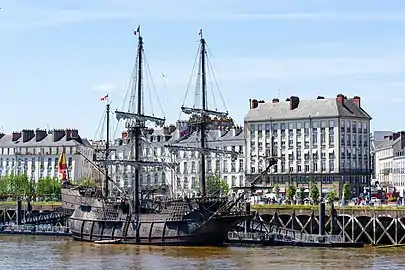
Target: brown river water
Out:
[35,252]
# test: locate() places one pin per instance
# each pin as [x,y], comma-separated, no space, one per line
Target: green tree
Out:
[332,195]
[216,186]
[291,191]
[314,192]
[86,182]
[49,188]
[346,191]
[301,195]
[276,190]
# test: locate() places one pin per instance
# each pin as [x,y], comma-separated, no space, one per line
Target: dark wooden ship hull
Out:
[73,197]
[196,227]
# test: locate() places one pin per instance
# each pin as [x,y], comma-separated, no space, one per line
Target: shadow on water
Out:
[63,253]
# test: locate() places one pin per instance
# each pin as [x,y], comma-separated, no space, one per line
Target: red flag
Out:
[104,98]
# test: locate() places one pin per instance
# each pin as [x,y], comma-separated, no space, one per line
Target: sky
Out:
[57,58]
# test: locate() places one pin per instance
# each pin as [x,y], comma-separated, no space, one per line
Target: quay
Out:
[288,237]
[48,230]
[375,226]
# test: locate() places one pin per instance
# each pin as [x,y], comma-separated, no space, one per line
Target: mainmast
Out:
[202,118]
[204,108]
[135,123]
[107,151]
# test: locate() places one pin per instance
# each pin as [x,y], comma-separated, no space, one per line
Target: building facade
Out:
[36,153]
[325,140]
[184,177]
[390,161]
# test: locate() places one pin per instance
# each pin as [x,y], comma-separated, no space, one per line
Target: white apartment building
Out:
[183,178]
[231,169]
[36,153]
[153,149]
[390,161]
[325,140]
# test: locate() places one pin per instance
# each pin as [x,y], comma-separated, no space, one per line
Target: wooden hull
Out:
[156,231]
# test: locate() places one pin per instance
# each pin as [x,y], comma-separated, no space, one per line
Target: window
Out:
[323,124]
[314,124]
[241,165]
[267,127]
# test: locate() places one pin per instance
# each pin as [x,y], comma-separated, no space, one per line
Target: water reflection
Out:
[55,253]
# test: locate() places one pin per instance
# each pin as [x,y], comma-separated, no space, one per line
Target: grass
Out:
[316,207]
[32,203]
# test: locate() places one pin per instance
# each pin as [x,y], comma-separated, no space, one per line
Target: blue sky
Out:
[57,58]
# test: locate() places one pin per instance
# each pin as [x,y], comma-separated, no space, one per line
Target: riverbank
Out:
[316,207]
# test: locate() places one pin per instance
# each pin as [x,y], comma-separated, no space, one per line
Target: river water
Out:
[35,252]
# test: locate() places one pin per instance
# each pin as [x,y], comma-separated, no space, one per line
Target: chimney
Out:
[294,101]
[74,133]
[320,97]
[40,134]
[68,133]
[27,135]
[253,103]
[16,135]
[275,100]
[340,98]
[356,100]
[57,134]
[172,128]
[124,135]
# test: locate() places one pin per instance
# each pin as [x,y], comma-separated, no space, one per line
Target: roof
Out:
[315,108]
[6,141]
[215,138]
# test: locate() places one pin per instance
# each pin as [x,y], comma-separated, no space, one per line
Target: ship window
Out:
[85,208]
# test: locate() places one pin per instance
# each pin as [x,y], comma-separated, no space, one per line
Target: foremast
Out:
[202,118]
[135,123]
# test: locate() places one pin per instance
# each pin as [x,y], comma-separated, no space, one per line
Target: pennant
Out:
[136,32]
[104,98]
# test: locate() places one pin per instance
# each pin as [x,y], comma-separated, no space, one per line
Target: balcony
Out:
[385,171]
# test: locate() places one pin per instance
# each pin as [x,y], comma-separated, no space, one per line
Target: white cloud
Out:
[14,14]
[237,70]
[321,16]
[104,87]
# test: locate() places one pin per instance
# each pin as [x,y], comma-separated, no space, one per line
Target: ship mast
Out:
[202,118]
[204,108]
[107,151]
[135,123]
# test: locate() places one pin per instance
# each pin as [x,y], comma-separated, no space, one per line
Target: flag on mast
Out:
[136,32]
[62,166]
[104,98]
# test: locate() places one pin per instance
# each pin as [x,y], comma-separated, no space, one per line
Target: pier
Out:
[370,226]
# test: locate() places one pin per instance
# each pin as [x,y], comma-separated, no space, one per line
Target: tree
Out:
[346,191]
[86,182]
[291,191]
[301,195]
[16,186]
[314,192]
[332,195]
[216,186]
[276,190]
[49,188]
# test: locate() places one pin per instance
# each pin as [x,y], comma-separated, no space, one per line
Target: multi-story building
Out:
[36,153]
[228,167]
[183,178]
[390,161]
[325,140]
